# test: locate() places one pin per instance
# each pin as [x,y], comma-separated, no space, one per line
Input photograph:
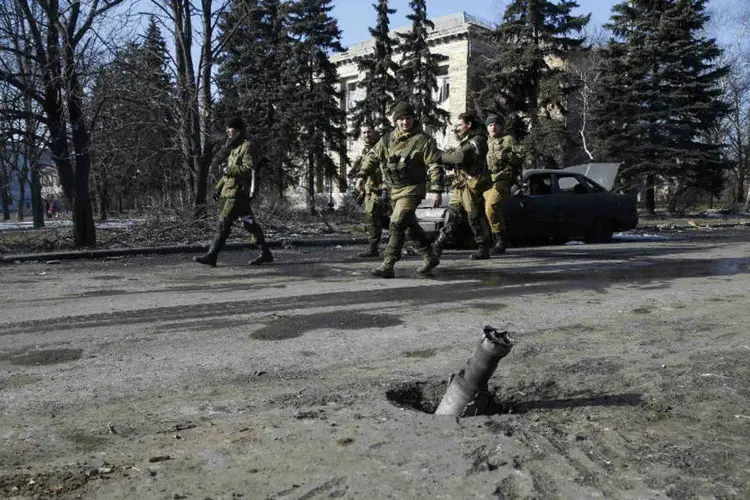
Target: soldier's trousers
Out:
[376,210]
[493,205]
[230,212]
[466,201]
[404,223]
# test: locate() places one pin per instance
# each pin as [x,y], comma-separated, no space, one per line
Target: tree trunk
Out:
[311,182]
[83,217]
[21,195]
[201,186]
[103,202]
[650,194]
[5,198]
[37,206]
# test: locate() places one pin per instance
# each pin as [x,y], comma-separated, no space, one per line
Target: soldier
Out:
[235,190]
[471,179]
[410,163]
[505,161]
[375,195]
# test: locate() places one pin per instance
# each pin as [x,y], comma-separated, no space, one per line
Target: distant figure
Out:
[50,206]
[505,161]
[376,201]
[234,192]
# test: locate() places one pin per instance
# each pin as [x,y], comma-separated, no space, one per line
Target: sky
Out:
[355,16]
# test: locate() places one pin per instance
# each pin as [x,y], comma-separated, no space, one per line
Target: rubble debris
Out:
[467,391]
[159,458]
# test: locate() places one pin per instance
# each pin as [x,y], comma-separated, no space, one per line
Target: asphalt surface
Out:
[304,378]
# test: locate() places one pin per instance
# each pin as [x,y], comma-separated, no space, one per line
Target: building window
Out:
[443,91]
[354,94]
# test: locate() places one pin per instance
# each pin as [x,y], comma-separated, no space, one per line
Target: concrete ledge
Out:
[172,249]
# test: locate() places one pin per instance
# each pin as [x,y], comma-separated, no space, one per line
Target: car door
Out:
[533,212]
[576,204]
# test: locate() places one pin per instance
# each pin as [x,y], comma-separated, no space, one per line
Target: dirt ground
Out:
[152,377]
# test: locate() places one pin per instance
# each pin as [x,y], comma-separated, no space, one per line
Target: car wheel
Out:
[600,232]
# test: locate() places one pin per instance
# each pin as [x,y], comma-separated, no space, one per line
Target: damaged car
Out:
[554,207]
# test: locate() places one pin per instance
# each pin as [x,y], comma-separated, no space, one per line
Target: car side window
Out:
[571,184]
[540,184]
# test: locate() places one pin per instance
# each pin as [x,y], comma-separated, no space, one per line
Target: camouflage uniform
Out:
[471,180]
[410,165]
[377,205]
[234,196]
[505,161]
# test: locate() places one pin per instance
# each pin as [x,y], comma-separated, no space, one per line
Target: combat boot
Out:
[264,257]
[482,253]
[439,244]
[385,270]
[430,262]
[209,258]
[500,244]
[371,252]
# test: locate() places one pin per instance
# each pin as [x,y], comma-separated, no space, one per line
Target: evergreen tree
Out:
[133,126]
[417,75]
[379,81]
[527,77]
[662,96]
[256,78]
[321,120]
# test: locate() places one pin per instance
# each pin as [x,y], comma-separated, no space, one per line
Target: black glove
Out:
[217,194]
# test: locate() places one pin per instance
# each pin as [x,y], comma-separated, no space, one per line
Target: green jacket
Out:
[469,160]
[504,158]
[409,162]
[236,182]
[374,182]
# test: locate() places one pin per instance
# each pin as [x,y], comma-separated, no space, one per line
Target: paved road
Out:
[279,381]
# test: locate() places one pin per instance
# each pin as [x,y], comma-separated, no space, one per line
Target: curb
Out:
[172,249]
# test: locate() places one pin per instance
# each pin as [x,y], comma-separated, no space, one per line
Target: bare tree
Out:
[736,127]
[585,68]
[57,35]
[194,94]
[731,18]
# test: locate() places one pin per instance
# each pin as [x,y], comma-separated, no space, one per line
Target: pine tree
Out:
[417,75]
[379,81]
[527,77]
[321,120]
[256,79]
[662,98]
[133,125]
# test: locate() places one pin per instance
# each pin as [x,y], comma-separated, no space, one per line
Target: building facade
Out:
[460,37]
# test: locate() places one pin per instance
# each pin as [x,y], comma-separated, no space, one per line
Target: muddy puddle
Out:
[42,357]
[296,326]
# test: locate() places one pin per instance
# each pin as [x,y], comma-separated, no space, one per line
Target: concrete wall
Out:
[457,37]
